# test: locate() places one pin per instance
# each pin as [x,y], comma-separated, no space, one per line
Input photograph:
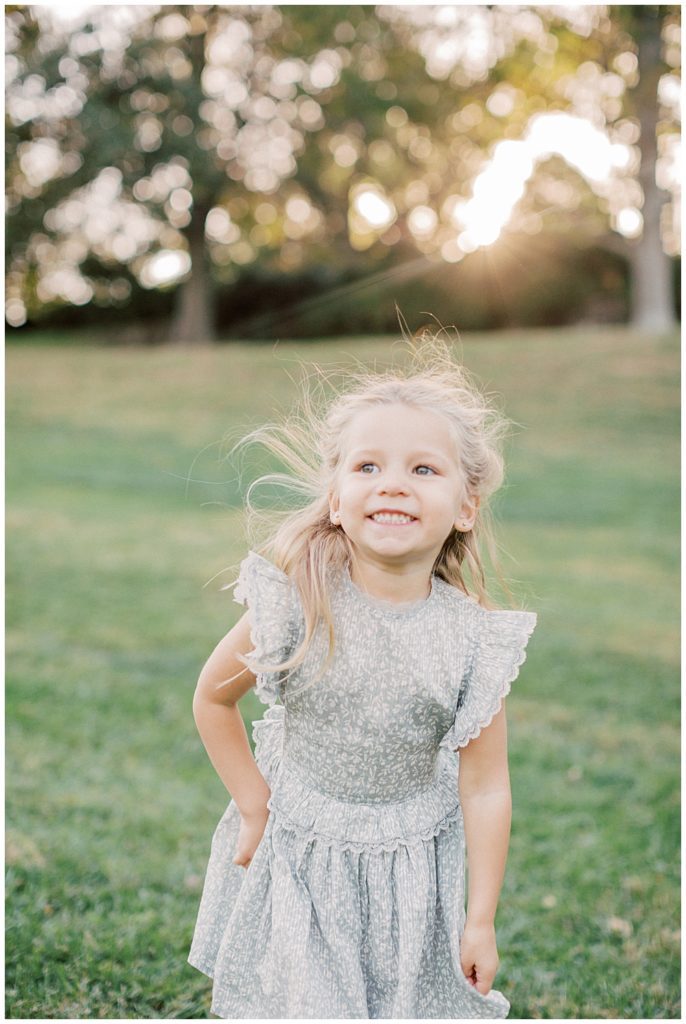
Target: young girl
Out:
[336,880]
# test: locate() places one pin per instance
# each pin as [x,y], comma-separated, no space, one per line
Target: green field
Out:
[121,511]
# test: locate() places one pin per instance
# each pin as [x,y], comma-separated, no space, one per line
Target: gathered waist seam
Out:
[359,803]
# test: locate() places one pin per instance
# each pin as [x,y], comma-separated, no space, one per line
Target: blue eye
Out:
[364,465]
[426,467]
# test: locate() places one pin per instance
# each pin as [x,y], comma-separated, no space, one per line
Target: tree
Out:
[219,136]
[190,106]
[608,67]
[652,300]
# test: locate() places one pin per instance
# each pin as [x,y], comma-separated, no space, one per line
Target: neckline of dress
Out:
[392,608]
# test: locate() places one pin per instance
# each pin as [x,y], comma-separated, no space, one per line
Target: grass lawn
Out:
[120,514]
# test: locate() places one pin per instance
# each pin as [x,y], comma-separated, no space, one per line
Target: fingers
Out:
[481,984]
[467,964]
[467,970]
[479,978]
[483,980]
[245,850]
[242,857]
[248,840]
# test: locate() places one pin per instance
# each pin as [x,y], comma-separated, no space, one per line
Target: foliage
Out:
[244,137]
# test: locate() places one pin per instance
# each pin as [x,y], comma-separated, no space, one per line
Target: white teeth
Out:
[391,517]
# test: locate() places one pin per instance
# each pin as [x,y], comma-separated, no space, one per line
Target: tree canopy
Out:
[182,148]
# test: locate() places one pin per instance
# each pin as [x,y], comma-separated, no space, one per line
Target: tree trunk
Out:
[193,321]
[652,300]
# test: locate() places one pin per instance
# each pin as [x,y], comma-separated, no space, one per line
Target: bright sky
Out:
[502,183]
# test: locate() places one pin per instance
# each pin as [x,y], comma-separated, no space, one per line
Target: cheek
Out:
[448,501]
[356,485]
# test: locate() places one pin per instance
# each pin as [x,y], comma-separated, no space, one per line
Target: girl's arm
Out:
[486,801]
[221,726]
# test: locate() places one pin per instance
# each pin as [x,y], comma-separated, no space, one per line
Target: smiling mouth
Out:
[392,519]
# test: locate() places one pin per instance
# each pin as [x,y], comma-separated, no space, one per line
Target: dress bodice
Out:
[370,728]
[404,680]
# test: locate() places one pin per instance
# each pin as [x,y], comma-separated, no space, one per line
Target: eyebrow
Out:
[420,453]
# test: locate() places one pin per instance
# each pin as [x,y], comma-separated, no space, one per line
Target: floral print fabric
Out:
[353,904]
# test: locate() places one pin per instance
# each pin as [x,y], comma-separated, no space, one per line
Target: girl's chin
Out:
[389,544]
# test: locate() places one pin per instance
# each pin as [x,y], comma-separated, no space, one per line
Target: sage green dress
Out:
[353,903]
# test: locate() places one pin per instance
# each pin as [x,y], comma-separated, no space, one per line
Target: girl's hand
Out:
[479,956]
[249,835]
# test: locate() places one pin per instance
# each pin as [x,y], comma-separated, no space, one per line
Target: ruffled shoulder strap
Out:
[275,613]
[497,650]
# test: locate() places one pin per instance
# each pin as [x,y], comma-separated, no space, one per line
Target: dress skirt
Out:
[347,909]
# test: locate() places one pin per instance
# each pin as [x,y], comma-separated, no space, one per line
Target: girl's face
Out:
[399,491]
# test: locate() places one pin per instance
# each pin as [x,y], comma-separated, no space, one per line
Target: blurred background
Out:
[204,203]
[206,171]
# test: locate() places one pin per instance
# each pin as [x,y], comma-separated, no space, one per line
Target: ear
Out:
[334,507]
[466,517]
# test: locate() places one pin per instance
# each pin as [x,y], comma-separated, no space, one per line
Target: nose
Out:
[392,482]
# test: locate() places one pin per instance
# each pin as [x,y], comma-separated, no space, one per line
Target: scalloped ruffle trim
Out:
[267,733]
[500,658]
[305,836]
[245,592]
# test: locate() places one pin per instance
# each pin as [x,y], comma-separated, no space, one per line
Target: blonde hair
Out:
[305,544]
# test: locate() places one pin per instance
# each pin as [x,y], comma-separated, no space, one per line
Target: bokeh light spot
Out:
[630,222]
[165,267]
[375,208]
